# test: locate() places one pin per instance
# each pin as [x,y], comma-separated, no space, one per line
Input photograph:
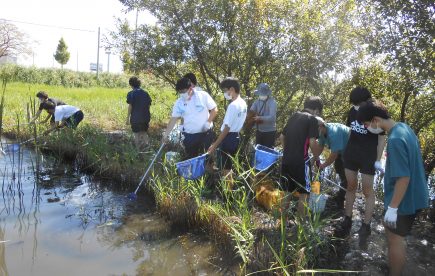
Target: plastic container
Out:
[317,202]
[265,157]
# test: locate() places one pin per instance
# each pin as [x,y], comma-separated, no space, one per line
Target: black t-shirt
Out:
[361,141]
[140,101]
[54,101]
[299,129]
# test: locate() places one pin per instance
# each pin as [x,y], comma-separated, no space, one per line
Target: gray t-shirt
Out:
[266,110]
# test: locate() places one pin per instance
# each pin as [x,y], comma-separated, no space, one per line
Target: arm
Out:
[38,113]
[47,118]
[169,128]
[400,188]
[219,140]
[272,116]
[55,126]
[316,149]
[331,159]
[212,115]
[127,122]
[381,145]
[282,139]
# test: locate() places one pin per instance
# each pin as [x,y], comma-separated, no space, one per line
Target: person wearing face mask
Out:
[405,186]
[265,116]
[43,98]
[229,139]
[335,137]
[298,136]
[198,110]
[362,154]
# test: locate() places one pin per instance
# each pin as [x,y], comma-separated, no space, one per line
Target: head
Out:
[263,91]
[184,88]
[374,115]
[314,105]
[42,96]
[48,106]
[134,82]
[359,95]
[191,76]
[231,87]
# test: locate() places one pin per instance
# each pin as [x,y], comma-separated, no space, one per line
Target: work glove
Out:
[379,167]
[390,217]
[206,126]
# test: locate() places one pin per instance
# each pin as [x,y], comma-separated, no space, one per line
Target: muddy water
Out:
[60,222]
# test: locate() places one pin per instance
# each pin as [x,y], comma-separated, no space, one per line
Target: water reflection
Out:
[54,221]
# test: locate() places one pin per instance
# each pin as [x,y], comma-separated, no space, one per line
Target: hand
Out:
[206,126]
[390,217]
[258,120]
[379,167]
[211,149]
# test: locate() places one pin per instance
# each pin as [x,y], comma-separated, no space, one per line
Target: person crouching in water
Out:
[64,116]
[139,102]
[405,188]
[265,116]
[229,139]
[198,110]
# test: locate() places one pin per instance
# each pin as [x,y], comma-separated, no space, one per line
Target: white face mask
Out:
[184,96]
[356,107]
[263,98]
[228,97]
[373,130]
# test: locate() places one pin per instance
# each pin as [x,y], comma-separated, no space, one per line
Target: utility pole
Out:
[98,52]
[108,58]
[134,43]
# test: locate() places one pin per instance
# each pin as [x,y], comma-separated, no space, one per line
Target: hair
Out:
[314,103]
[183,83]
[229,82]
[42,94]
[48,106]
[359,95]
[191,76]
[134,82]
[369,110]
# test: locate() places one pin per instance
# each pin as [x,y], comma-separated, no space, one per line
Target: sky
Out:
[58,18]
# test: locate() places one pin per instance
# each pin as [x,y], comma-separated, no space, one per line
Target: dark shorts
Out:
[139,127]
[197,143]
[266,139]
[357,160]
[403,224]
[296,178]
[228,150]
[74,120]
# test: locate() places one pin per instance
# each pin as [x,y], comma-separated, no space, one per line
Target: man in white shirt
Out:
[198,110]
[229,139]
[64,116]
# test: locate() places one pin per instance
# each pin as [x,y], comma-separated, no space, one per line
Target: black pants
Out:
[339,169]
[266,139]
[197,143]
[74,120]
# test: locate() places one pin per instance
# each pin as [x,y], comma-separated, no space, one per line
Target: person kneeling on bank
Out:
[64,116]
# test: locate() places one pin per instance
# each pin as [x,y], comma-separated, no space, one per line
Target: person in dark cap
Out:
[43,99]
[264,109]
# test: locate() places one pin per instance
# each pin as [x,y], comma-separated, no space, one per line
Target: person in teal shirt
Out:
[335,137]
[405,188]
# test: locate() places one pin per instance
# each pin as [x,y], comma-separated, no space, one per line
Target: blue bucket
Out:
[12,148]
[192,169]
[265,157]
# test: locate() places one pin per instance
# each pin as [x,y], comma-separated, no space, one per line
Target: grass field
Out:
[105,108]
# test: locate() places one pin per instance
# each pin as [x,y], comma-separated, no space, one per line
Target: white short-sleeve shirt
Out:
[195,112]
[236,115]
[64,112]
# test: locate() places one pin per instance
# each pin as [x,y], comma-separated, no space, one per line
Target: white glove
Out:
[206,126]
[379,167]
[390,217]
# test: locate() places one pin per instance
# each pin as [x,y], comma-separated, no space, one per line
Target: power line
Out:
[48,26]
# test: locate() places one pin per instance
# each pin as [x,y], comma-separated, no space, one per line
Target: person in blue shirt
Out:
[138,116]
[405,187]
[335,137]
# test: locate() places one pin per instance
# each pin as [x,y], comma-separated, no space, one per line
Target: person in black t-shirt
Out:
[362,154]
[299,135]
[43,98]
[138,116]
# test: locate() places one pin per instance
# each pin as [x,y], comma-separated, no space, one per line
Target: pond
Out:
[57,221]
